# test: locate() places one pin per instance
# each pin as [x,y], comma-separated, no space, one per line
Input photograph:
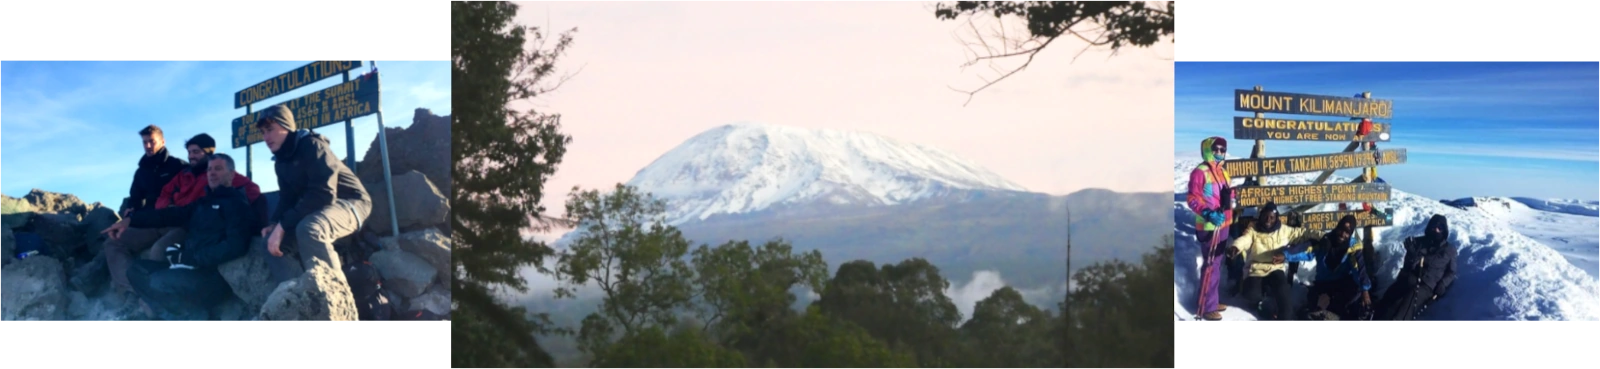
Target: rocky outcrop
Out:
[403,273]
[53,202]
[97,219]
[429,244]
[419,204]
[62,231]
[320,293]
[33,289]
[16,212]
[436,300]
[423,147]
[249,277]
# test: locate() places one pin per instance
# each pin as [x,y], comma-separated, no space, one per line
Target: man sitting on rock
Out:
[320,198]
[191,184]
[219,225]
[156,169]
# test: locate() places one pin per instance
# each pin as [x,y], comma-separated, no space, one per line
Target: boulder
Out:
[51,202]
[60,231]
[429,244]
[423,147]
[403,272]
[418,202]
[318,294]
[249,276]
[33,289]
[78,306]
[436,300]
[232,309]
[16,212]
[93,277]
[9,247]
[97,219]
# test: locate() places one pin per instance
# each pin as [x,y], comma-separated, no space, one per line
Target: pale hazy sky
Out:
[656,74]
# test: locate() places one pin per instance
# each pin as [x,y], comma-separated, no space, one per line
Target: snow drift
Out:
[1512,265]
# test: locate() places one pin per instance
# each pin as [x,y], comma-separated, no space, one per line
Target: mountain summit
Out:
[744,168]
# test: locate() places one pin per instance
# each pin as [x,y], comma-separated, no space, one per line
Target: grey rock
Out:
[52,202]
[403,273]
[418,202]
[249,276]
[320,293]
[9,247]
[436,300]
[60,231]
[93,277]
[97,219]
[429,244]
[16,212]
[423,147]
[78,305]
[232,309]
[33,289]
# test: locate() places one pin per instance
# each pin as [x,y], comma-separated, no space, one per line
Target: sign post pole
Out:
[349,138]
[1260,149]
[249,170]
[383,147]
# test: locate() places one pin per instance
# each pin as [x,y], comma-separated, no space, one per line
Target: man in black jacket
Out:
[1428,271]
[219,226]
[320,199]
[156,168]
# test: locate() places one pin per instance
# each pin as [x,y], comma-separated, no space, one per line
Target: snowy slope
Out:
[744,168]
[1574,236]
[1504,274]
[1575,207]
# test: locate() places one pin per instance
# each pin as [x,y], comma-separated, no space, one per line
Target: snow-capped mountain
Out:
[1511,264]
[744,168]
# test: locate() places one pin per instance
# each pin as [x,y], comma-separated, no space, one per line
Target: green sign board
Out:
[349,100]
[1292,103]
[1314,163]
[296,78]
[1306,130]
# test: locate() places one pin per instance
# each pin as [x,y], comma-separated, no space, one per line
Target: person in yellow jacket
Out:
[1264,246]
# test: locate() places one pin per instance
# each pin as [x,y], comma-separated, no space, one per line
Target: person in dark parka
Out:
[1341,285]
[1428,270]
[219,226]
[321,199]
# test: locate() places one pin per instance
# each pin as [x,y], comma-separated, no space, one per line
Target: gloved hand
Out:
[175,257]
[1213,217]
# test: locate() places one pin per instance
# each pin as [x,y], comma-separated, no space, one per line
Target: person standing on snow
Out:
[1428,270]
[1341,285]
[1264,246]
[1211,199]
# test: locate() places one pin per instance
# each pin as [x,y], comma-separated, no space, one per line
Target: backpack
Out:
[29,244]
[372,301]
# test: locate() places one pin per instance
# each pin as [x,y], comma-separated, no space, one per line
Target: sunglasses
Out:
[1219,149]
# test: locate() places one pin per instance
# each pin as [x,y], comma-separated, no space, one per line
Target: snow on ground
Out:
[1503,274]
[1574,236]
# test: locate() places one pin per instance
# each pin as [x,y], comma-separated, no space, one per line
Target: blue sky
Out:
[1470,129]
[73,126]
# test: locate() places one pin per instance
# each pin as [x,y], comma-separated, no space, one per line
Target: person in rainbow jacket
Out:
[1211,199]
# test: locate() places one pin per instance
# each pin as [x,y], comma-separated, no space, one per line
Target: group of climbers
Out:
[1343,282]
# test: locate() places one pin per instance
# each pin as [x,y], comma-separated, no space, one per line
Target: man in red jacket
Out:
[186,187]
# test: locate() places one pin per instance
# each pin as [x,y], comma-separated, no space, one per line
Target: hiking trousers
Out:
[313,238]
[1275,283]
[1210,269]
[146,243]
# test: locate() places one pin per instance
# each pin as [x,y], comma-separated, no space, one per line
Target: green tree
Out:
[653,347]
[637,262]
[901,304]
[1006,331]
[831,343]
[1108,24]
[502,159]
[1115,321]
[746,298]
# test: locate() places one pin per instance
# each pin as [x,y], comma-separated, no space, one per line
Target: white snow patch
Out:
[1505,273]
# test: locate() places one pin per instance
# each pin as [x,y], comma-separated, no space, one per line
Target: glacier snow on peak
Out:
[743,168]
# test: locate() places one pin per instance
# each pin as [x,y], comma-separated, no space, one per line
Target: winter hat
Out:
[277,114]
[1207,144]
[1438,221]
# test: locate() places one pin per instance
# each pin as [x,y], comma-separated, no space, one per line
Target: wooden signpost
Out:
[343,102]
[1261,128]
[1313,194]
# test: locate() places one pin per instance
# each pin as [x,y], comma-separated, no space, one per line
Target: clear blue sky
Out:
[1470,129]
[73,126]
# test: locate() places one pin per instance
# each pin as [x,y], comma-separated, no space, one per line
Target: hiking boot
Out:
[1213,316]
[1222,308]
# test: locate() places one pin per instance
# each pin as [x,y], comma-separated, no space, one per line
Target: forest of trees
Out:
[669,304]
